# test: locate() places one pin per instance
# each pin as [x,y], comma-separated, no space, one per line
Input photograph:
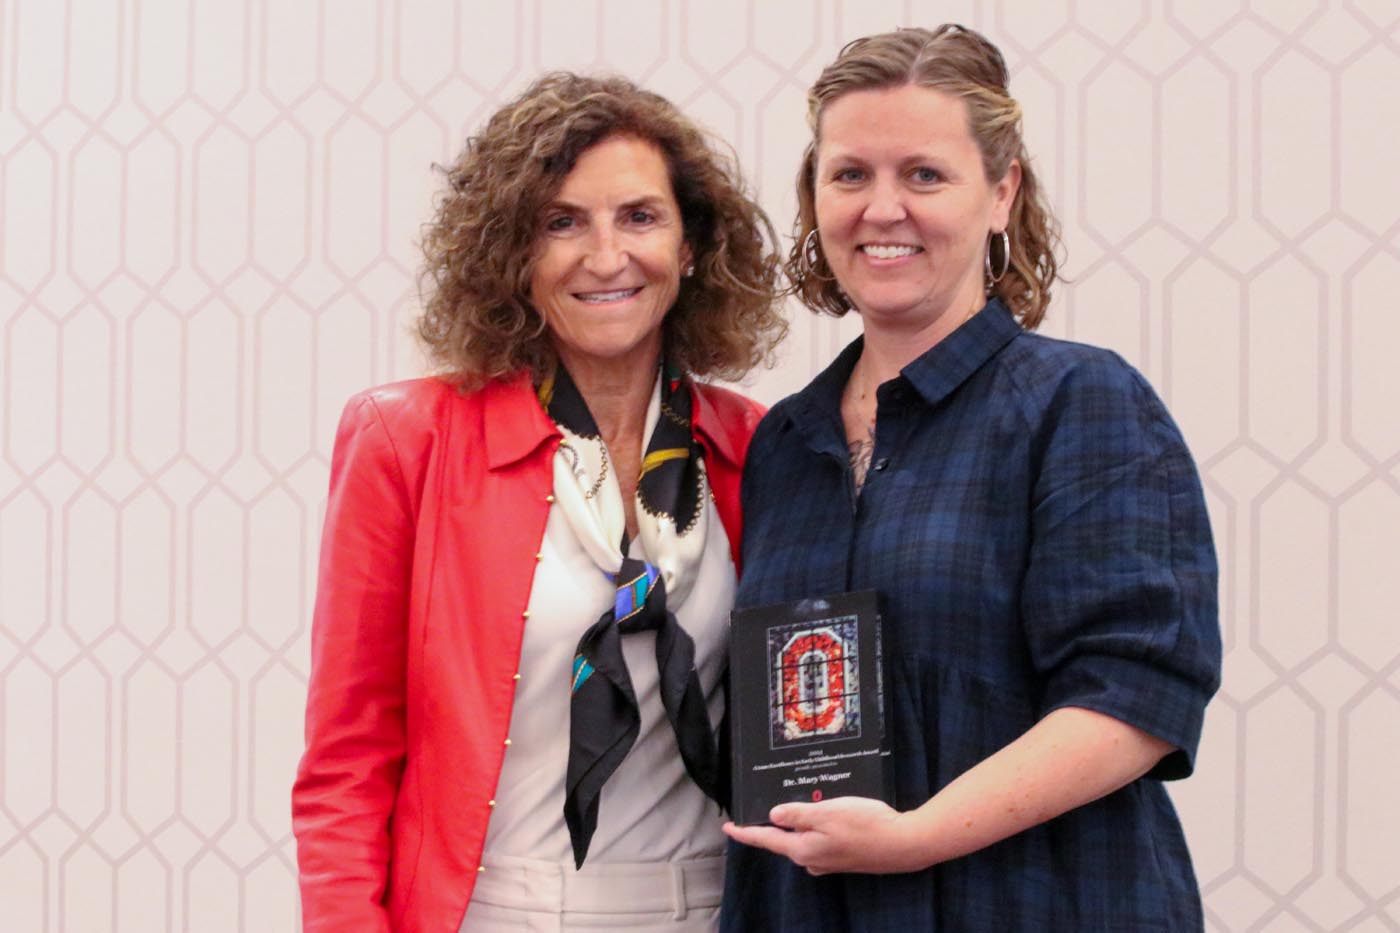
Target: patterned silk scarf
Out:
[604,716]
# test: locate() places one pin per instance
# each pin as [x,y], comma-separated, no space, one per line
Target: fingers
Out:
[775,840]
[803,848]
[797,816]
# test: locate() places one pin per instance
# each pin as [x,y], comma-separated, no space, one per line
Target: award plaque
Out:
[806,691]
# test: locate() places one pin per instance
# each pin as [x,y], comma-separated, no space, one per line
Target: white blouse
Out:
[650,809]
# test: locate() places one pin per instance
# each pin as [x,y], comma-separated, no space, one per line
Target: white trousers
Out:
[515,894]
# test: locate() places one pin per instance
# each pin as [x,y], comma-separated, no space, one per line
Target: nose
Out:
[605,255]
[886,203]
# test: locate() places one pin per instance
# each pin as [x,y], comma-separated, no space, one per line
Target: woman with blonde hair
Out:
[528,561]
[1027,511]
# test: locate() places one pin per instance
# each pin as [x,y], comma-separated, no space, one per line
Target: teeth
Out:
[890,252]
[608,296]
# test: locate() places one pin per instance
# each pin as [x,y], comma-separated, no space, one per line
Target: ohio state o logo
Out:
[814,684]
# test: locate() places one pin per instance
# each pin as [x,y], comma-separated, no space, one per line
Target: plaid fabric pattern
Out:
[1037,532]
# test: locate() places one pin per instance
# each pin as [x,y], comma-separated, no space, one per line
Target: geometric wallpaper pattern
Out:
[208,215]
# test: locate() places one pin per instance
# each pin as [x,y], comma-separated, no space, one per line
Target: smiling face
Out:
[903,208]
[610,249]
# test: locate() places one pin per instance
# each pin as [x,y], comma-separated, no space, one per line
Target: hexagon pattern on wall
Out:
[208,215]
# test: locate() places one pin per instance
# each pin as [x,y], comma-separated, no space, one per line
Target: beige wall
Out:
[207,215]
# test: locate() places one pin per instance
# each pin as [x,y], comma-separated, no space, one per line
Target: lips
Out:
[617,294]
[889,250]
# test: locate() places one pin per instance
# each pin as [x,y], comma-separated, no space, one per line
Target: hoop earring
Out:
[994,277]
[811,254]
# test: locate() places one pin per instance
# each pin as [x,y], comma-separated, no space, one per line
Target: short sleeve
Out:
[1119,601]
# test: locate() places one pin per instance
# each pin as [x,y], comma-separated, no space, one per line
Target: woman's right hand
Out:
[844,834]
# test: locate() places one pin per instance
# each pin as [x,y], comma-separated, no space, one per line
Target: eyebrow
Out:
[851,155]
[653,201]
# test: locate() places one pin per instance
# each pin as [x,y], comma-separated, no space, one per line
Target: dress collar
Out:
[949,363]
[816,409]
[934,375]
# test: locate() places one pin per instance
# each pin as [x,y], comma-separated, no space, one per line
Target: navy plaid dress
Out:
[1036,529]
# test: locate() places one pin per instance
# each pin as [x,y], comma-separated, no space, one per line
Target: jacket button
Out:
[549,498]
[490,803]
[517,677]
[507,741]
[539,556]
[481,868]
[525,614]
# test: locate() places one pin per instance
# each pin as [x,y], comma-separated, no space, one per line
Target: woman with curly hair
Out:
[1025,508]
[529,560]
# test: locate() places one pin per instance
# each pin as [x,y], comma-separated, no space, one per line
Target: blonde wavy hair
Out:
[478,322]
[964,64]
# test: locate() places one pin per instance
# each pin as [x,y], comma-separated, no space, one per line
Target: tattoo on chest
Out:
[860,451]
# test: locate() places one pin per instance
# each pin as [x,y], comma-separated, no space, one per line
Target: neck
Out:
[617,394]
[889,347]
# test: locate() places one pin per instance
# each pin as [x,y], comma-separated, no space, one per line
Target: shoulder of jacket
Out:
[408,398]
[730,405]
[726,420]
[415,405]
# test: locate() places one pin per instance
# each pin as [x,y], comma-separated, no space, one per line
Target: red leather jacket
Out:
[438,503]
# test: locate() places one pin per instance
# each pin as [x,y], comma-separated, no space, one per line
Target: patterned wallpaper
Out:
[207,222]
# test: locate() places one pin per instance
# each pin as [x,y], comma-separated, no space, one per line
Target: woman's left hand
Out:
[844,834]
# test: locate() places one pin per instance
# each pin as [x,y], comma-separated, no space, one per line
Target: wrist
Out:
[924,840]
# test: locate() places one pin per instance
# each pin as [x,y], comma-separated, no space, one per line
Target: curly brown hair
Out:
[957,61]
[480,249]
